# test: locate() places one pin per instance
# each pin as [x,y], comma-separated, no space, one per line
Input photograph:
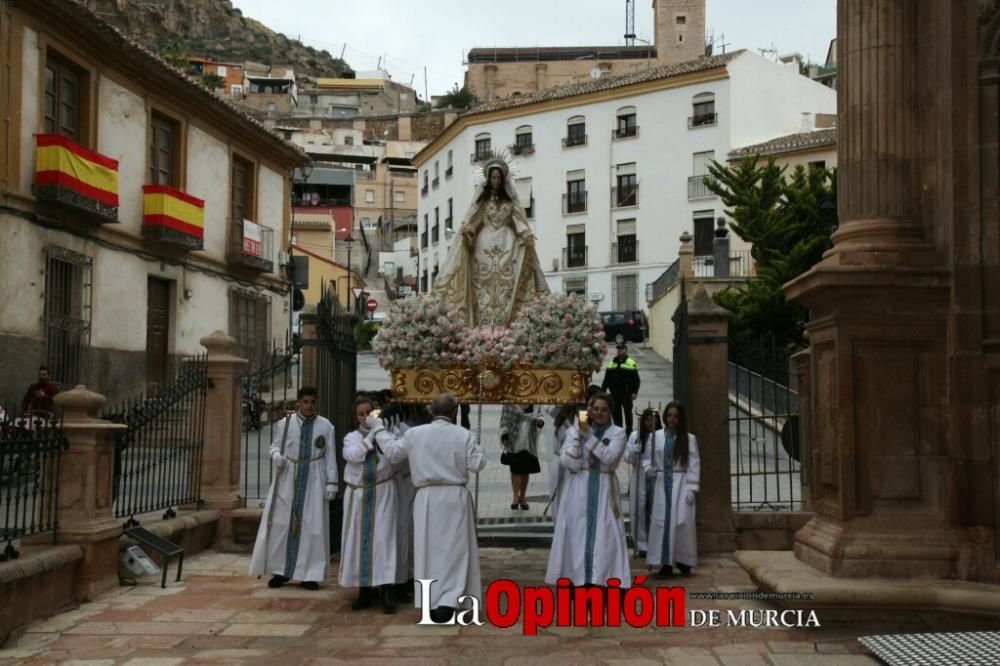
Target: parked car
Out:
[624,325]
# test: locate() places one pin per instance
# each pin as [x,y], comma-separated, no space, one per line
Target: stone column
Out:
[708,419]
[220,463]
[686,255]
[877,400]
[85,476]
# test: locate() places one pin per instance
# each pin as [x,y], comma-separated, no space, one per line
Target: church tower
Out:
[680,30]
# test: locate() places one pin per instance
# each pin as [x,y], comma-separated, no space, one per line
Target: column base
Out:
[853,550]
[716,538]
[221,501]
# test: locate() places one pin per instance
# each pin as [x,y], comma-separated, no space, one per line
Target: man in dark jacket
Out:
[38,398]
[621,380]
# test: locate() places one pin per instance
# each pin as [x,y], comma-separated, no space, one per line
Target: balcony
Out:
[574,202]
[625,251]
[365,175]
[479,156]
[172,217]
[423,240]
[448,172]
[703,120]
[574,140]
[741,264]
[625,197]
[251,246]
[424,190]
[447,222]
[435,235]
[529,210]
[698,188]
[436,182]
[523,149]
[625,132]
[574,256]
[71,176]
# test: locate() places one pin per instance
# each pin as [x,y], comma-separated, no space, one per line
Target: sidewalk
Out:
[217,615]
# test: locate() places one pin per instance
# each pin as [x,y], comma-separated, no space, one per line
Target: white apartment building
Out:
[611,171]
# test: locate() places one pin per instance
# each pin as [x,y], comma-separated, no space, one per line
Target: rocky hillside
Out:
[212,28]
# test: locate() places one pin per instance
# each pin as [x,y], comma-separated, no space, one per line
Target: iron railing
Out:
[523,149]
[623,197]
[574,202]
[68,292]
[574,140]
[575,256]
[703,120]
[698,187]
[624,132]
[666,280]
[448,172]
[157,464]
[30,448]
[680,344]
[435,181]
[250,252]
[625,251]
[269,394]
[764,429]
[741,264]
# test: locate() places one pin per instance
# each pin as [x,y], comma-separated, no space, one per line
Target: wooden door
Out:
[157,331]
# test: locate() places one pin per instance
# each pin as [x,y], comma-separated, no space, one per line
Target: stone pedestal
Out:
[220,464]
[84,510]
[708,368]
[685,257]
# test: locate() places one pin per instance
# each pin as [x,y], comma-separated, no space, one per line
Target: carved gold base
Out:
[491,384]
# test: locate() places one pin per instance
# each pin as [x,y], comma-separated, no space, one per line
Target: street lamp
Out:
[349,242]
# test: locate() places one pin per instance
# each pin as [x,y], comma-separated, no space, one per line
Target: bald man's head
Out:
[444,404]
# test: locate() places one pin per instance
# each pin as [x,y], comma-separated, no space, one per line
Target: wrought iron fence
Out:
[680,363]
[268,395]
[666,280]
[764,429]
[30,448]
[157,463]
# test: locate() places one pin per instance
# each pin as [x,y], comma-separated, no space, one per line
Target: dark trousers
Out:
[623,403]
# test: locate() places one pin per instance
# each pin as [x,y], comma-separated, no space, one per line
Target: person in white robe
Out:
[563,416]
[405,492]
[369,542]
[445,548]
[293,541]
[588,544]
[677,469]
[638,454]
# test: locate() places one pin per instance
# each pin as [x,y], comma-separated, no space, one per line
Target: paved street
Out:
[217,615]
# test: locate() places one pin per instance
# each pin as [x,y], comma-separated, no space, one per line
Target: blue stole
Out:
[650,496]
[669,440]
[299,483]
[368,516]
[593,498]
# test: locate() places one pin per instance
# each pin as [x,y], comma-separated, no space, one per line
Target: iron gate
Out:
[680,364]
[157,463]
[764,429]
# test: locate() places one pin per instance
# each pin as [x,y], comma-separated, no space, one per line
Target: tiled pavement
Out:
[217,615]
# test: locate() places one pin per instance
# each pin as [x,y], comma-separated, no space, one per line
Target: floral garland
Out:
[553,331]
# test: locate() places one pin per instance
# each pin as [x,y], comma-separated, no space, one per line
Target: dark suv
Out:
[624,325]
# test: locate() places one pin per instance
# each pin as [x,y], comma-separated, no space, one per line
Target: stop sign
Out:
[372,304]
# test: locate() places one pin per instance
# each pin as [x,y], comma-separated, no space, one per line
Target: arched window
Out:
[626,123]
[483,147]
[576,131]
[703,110]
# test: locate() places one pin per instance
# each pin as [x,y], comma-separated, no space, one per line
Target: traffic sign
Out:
[357,291]
[372,304]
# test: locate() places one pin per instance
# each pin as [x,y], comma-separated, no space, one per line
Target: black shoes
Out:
[310,585]
[684,569]
[385,596]
[277,580]
[642,554]
[364,598]
[524,506]
[442,614]
[666,571]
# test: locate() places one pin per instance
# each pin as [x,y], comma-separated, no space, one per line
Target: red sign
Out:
[372,304]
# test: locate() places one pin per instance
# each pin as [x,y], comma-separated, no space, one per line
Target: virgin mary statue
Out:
[492,270]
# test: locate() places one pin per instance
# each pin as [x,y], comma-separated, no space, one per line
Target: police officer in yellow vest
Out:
[621,380]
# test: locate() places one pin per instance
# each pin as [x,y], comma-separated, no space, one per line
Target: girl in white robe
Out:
[588,545]
[672,530]
[368,550]
[638,454]
[563,416]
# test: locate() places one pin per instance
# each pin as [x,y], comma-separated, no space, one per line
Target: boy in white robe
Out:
[588,544]
[441,455]
[369,550]
[293,541]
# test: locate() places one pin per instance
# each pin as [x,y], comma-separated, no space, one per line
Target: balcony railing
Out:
[698,188]
[448,172]
[575,256]
[435,234]
[447,222]
[529,210]
[574,140]
[423,239]
[424,190]
[479,156]
[741,265]
[623,197]
[625,132]
[69,175]
[173,217]
[625,251]
[436,182]
[523,149]
[364,175]
[251,246]
[703,120]
[574,202]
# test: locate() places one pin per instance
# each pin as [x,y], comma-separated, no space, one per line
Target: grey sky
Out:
[436,33]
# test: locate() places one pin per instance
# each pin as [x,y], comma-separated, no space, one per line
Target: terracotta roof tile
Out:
[608,83]
[789,143]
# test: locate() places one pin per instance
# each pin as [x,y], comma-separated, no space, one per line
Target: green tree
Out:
[789,221]
[212,81]
[456,98]
[174,53]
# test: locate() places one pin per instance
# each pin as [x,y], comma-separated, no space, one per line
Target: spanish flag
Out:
[64,163]
[164,206]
